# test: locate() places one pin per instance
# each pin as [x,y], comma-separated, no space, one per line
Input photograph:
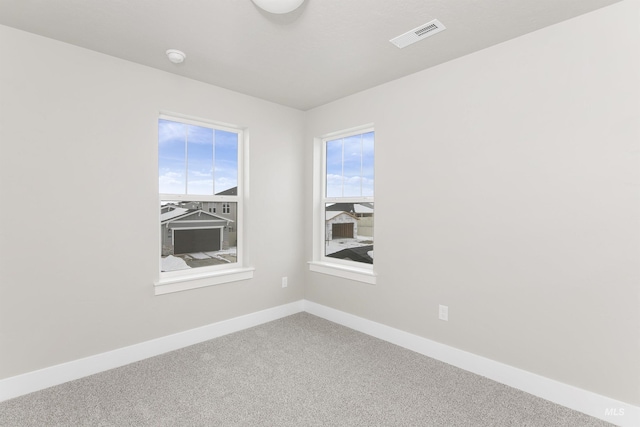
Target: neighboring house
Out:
[362,211]
[224,210]
[167,208]
[230,192]
[185,230]
[340,225]
[228,210]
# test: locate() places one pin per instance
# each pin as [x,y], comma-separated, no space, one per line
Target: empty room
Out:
[191,192]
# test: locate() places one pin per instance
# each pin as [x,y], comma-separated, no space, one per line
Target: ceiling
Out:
[323,51]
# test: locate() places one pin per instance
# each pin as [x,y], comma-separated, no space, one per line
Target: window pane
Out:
[171,157]
[197,159]
[200,160]
[226,163]
[367,164]
[334,168]
[349,231]
[352,166]
[194,236]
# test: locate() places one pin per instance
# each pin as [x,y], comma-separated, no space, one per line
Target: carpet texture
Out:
[297,371]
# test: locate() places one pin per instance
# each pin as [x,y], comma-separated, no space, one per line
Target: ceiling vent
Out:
[419,33]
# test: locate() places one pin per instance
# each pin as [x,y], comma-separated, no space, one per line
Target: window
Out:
[199,167]
[344,189]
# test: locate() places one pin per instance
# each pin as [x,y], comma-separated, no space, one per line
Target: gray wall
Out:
[524,157]
[527,159]
[78,133]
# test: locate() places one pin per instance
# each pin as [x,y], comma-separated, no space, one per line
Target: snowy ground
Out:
[172,263]
[201,259]
[336,245]
[197,259]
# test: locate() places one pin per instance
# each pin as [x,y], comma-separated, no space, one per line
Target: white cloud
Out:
[168,131]
[224,183]
[171,182]
[200,186]
[351,186]
[200,174]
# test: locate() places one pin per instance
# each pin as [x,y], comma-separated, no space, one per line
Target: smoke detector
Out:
[176,56]
[418,33]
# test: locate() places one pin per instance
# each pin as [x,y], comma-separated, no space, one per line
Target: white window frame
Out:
[322,264]
[180,280]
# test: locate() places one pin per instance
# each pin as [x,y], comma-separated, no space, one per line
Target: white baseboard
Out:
[602,407]
[595,405]
[54,375]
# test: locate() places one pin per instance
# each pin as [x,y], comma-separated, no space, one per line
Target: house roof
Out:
[174,213]
[229,192]
[332,214]
[187,213]
[359,254]
[361,208]
[351,207]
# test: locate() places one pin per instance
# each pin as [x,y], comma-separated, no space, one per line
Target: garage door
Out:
[201,240]
[342,231]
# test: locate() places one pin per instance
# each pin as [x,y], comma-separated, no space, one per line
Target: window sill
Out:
[346,272]
[167,285]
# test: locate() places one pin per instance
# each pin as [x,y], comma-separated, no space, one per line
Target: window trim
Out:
[320,263]
[180,280]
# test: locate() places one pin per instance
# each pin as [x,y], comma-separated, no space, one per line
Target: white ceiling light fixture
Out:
[278,6]
[176,56]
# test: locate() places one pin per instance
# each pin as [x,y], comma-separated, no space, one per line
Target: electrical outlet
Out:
[284,282]
[443,312]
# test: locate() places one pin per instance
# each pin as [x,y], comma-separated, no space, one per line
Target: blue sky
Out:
[180,145]
[350,163]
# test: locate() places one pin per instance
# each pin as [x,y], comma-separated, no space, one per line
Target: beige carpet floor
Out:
[297,371]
